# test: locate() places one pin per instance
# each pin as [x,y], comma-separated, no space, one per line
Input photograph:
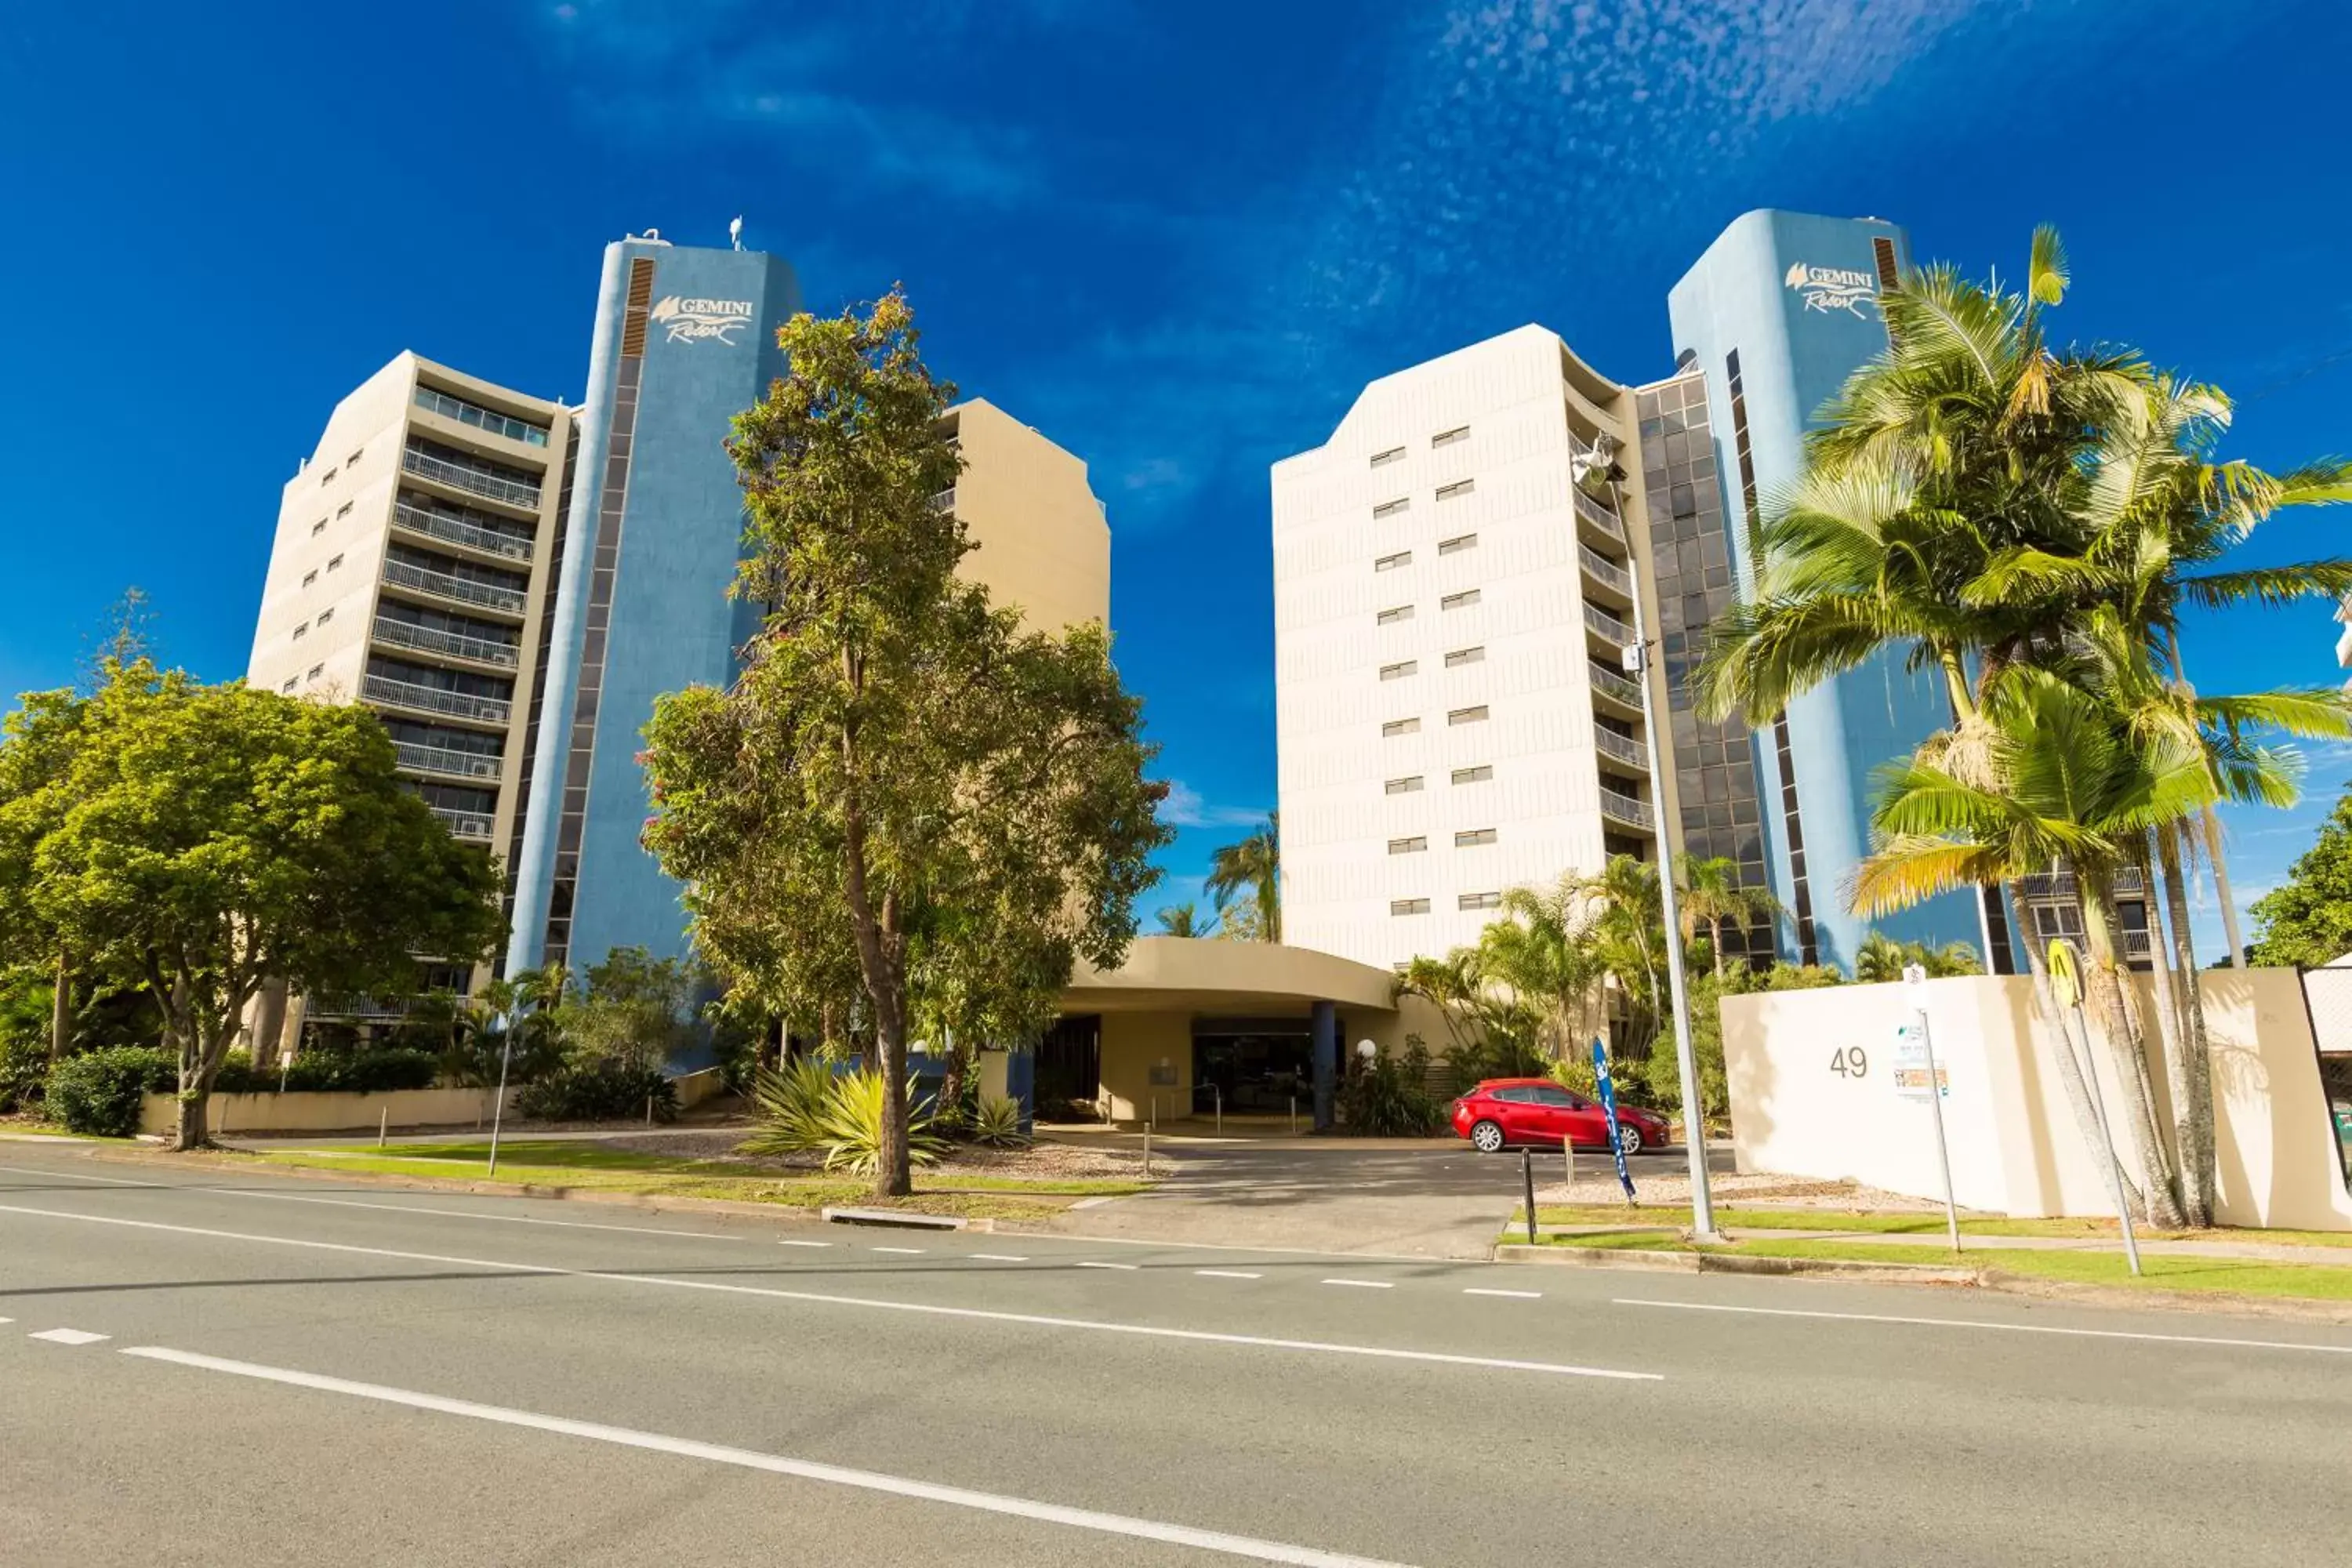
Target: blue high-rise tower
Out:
[684,340]
[1778,312]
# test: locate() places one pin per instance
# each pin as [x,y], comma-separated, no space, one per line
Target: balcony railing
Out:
[443,760]
[474,826]
[1610,683]
[1600,516]
[456,644]
[1608,625]
[419,520]
[1631,753]
[514,493]
[360,1008]
[943,500]
[2135,945]
[1605,570]
[449,585]
[1625,808]
[434,700]
[2043,886]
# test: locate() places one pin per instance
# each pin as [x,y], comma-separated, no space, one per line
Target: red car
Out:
[1502,1111]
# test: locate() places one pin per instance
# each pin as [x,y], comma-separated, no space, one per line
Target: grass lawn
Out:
[2241,1275]
[1905,1223]
[596,1167]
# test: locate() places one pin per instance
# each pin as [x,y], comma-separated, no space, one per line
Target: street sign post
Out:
[1609,1114]
[2066,982]
[1921,1078]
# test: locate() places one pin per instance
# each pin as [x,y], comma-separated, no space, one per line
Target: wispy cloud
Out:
[1185,807]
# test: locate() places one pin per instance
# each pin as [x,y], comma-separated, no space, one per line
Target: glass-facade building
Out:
[685,339]
[1774,317]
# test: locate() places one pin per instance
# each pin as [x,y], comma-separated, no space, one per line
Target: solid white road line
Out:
[921,1309]
[1514,1295]
[998,1258]
[1227,1274]
[1363,1284]
[69,1336]
[389,1208]
[909,1251]
[1988,1324]
[775,1464]
[1089,1263]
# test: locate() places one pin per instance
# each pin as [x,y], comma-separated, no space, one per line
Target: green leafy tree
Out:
[2308,919]
[631,1015]
[901,772]
[1881,958]
[1252,866]
[1185,920]
[205,838]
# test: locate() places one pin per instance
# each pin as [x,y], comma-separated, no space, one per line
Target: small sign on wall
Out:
[1914,1078]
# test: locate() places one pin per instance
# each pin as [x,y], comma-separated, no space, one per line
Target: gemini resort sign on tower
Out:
[1827,289]
[691,321]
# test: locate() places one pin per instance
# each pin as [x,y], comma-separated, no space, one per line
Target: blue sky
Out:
[1177,238]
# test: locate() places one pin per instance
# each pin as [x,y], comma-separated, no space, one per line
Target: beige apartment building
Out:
[1453,607]
[413,570]
[1043,541]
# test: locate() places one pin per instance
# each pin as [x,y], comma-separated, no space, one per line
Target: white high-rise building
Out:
[1451,613]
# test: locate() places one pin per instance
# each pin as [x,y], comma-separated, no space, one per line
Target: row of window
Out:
[304,629]
[1454,659]
[1396,504]
[286,685]
[1484,773]
[1454,546]
[1468,838]
[1491,901]
[1396,727]
[1442,438]
[341,512]
[1397,613]
[329,477]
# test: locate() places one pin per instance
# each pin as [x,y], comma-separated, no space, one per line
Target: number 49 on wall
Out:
[1850,1062]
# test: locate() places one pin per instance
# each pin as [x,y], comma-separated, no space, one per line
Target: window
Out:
[1457,545]
[318,528]
[326,615]
[1408,906]
[345,509]
[1458,488]
[1412,845]
[1470,838]
[1394,614]
[301,631]
[329,477]
[1482,773]
[311,577]
[316,670]
[354,457]
[1462,656]
[1383,459]
[1390,507]
[1450,437]
[1462,600]
[1479,901]
[1403,786]
[1398,671]
[1395,727]
[338,561]
[289,686]
[1467,715]
[1390,562]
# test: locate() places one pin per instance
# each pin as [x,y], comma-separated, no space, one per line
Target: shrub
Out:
[598,1094]
[790,1102]
[24,1064]
[357,1072]
[98,1092]
[995,1121]
[853,1126]
[1387,1097]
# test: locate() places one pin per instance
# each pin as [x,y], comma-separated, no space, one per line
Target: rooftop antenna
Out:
[735,233]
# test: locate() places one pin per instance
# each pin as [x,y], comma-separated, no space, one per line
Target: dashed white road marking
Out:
[1514,1295]
[907,1251]
[869,1303]
[77,1176]
[1363,1284]
[1090,1263]
[1986,1324]
[1227,1274]
[69,1336]
[1241,1546]
[804,1244]
[999,1257]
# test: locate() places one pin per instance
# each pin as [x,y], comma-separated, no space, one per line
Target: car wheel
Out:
[1629,1138]
[1486,1138]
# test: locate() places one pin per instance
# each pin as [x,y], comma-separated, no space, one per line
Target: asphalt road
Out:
[298,1371]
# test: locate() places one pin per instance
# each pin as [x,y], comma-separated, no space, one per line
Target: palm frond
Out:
[2270,586]
[2046,274]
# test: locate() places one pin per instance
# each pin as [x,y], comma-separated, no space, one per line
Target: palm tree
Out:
[1184,920]
[1707,892]
[1254,864]
[1881,958]
[1545,951]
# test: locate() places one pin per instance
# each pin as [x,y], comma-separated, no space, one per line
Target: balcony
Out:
[472,480]
[448,530]
[1631,752]
[450,644]
[1612,632]
[475,826]
[1615,689]
[462,590]
[358,1009]
[442,760]
[434,700]
[2136,946]
[1599,568]
[1596,517]
[2044,887]
[1624,808]
[943,500]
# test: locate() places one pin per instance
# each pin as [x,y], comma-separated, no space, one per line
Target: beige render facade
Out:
[413,567]
[1044,544]
[1451,613]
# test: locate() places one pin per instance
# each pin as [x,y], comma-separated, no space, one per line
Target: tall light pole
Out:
[1600,466]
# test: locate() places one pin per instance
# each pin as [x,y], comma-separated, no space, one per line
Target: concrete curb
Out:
[897,1219]
[1659,1262]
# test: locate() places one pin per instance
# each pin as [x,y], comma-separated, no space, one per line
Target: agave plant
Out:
[997,1124]
[852,1126]
[791,1101]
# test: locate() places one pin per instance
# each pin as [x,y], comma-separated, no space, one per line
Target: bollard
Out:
[649,1110]
[1147,1151]
[1568,1155]
[1294,1116]
[383,1123]
[1528,1179]
[1219,1095]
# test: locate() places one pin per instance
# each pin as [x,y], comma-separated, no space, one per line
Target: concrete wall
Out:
[314,1111]
[1132,1045]
[2015,1146]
